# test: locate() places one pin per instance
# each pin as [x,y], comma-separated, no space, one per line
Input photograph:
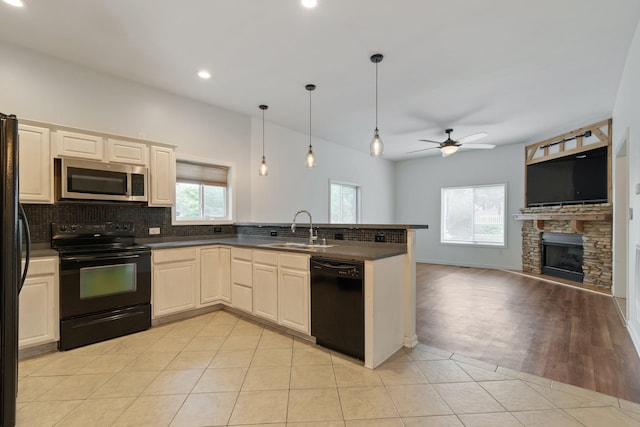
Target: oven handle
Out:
[97,257]
[108,319]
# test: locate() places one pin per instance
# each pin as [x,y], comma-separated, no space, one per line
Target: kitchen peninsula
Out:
[262,272]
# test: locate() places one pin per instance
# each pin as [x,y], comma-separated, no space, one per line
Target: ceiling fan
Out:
[450,146]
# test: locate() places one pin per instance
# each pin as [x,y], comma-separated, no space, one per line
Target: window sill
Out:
[476,245]
[203,222]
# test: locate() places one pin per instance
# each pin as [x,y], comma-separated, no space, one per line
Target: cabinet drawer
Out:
[172,255]
[265,257]
[241,272]
[296,262]
[241,254]
[42,266]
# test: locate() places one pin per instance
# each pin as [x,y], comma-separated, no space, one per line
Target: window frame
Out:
[474,244]
[230,192]
[358,188]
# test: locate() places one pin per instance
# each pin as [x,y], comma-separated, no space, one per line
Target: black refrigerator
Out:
[11,278]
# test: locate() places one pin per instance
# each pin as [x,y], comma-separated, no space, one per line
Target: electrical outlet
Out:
[338,236]
[274,233]
[217,229]
[380,237]
[154,231]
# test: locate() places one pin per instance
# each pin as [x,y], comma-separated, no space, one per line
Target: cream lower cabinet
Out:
[265,285]
[294,292]
[242,279]
[215,275]
[176,278]
[39,316]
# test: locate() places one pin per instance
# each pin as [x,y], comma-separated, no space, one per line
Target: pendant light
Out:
[263,166]
[311,158]
[377,147]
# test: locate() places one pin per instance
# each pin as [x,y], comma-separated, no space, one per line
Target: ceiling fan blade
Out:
[479,146]
[423,149]
[428,140]
[473,137]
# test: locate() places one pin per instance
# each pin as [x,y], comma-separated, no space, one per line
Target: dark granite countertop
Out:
[349,226]
[341,249]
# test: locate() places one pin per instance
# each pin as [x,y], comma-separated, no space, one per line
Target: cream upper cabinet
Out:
[35,165]
[162,176]
[293,292]
[175,280]
[215,275]
[133,153]
[39,318]
[83,146]
[265,284]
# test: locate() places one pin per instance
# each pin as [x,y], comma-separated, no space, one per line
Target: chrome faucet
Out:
[312,237]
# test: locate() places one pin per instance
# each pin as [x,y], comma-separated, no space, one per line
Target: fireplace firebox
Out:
[562,256]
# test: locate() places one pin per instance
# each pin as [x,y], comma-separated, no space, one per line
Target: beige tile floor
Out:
[219,369]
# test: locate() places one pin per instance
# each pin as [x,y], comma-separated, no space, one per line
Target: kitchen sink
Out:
[301,246]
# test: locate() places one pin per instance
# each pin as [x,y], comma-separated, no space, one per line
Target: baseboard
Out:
[410,342]
[468,264]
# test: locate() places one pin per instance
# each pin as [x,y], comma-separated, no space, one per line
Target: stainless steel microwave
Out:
[86,179]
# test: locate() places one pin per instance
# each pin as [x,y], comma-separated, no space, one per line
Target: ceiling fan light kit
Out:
[451,146]
[376,147]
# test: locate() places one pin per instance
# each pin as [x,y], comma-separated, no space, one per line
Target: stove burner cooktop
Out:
[108,237]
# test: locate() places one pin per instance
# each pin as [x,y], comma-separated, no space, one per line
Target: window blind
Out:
[199,173]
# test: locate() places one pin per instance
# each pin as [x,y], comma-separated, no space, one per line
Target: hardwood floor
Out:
[553,331]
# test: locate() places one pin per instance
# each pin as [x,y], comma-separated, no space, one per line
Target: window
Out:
[344,203]
[473,215]
[202,193]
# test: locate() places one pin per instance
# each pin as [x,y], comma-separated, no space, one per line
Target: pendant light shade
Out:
[376,147]
[263,166]
[310,160]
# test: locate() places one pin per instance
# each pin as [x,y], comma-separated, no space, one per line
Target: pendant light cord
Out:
[263,134]
[310,119]
[376,96]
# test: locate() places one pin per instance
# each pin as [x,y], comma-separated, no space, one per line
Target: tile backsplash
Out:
[41,216]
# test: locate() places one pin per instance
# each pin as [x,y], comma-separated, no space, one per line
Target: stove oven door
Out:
[91,284]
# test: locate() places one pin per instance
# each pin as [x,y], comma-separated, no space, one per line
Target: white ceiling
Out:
[520,70]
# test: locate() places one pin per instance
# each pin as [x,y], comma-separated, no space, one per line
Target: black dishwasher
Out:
[337,305]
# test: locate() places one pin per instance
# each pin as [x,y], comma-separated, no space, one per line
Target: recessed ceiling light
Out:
[309,4]
[14,3]
[204,74]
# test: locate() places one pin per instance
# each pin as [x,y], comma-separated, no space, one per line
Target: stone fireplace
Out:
[592,224]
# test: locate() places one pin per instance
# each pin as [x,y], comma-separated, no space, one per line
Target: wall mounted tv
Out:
[575,179]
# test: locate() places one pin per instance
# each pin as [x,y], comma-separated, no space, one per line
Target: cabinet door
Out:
[225,274]
[71,144]
[210,275]
[36,165]
[265,291]
[174,286]
[293,299]
[162,176]
[133,153]
[38,312]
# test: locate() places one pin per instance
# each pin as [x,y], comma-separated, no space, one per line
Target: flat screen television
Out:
[575,179]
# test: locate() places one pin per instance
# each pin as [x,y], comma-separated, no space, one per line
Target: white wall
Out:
[626,118]
[291,186]
[42,88]
[418,184]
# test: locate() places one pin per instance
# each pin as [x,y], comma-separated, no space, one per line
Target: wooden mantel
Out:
[577,219]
